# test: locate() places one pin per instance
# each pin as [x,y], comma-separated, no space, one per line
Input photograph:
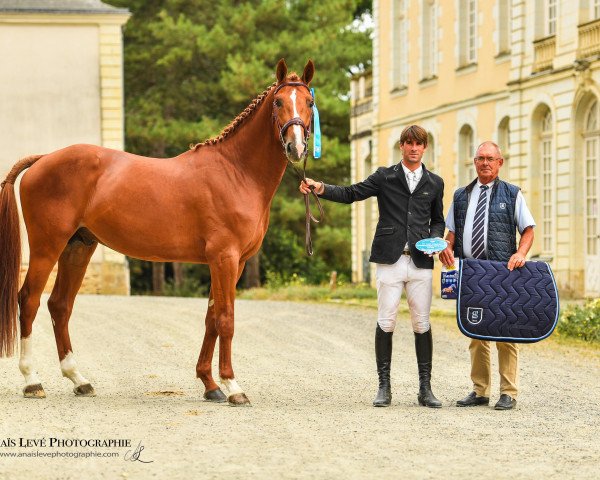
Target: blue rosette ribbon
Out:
[316,128]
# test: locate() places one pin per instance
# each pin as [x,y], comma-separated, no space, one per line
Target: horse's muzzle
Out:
[295,152]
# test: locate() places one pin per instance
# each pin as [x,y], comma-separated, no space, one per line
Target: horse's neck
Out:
[256,150]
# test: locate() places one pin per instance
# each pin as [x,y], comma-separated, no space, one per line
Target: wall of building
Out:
[565,88]
[61,80]
[363,213]
[523,61]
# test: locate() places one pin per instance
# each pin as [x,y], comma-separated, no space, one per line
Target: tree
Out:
[192,66]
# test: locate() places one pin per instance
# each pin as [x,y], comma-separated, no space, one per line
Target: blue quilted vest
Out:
[501,230]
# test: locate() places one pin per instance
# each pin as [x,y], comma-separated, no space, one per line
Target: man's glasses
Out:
[486,159]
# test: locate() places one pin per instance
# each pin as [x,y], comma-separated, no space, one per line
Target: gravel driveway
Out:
[310,375]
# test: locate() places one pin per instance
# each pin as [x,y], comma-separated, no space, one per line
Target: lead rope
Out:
[309,216]
[301,177]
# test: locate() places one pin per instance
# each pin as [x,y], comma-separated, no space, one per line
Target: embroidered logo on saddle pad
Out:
[474,315]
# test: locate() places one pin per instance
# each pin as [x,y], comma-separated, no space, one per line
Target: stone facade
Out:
[61,80]
[522,73]
[364,214]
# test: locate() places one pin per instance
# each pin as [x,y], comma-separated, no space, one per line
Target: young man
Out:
[410,205]
[482,223]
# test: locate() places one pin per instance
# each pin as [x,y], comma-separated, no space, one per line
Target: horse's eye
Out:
[311,104]
[278,102]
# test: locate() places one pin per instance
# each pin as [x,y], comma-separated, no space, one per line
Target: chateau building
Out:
[522,73]
[61,83]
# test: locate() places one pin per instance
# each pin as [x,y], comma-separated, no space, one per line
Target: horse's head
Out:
[292,110]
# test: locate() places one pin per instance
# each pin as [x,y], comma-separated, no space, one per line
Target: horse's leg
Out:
[72,265]
[204,366]
[29,302]
[224,278]
[212,392]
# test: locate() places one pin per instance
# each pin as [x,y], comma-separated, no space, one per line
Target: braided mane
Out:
[237,121]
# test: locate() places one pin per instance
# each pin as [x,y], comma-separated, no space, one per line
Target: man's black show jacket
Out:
[401,214]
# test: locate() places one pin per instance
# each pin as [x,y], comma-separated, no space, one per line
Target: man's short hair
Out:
[414,133]
[492,144]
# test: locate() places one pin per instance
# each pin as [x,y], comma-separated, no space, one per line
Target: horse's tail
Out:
[10,257]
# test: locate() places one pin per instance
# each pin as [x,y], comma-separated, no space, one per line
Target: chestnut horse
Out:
[208,205]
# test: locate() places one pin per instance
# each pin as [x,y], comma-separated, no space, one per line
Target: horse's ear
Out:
[309,71]
[281,71]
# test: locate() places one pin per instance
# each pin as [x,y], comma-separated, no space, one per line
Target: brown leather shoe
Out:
[506,402]
[472,400]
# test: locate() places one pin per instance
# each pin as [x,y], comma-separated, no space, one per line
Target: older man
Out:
[482,223]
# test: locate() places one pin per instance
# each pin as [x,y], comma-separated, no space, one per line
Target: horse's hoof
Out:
[216,396]
[34,391]
[239,400]
[85,390]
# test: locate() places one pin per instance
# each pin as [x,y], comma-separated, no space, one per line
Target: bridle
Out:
[301,176]
[292,121]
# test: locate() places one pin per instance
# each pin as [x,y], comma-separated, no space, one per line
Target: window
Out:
[591,123]
[429,157]
[368,87]
[504,136]
[547,159]
[504,144]
[429,40]
[592,167]
[396,156]
[472,31]
[399,46]
[466,153]
[550,14]
[467,32]
[504,26]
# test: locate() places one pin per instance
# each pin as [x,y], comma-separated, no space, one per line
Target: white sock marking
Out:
[68,367]
[26,362]
[232,386]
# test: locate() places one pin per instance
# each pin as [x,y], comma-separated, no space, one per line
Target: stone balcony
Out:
[361,108]
[589,39]
[544,50]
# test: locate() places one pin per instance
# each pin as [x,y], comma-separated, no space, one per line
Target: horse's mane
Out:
[237,121]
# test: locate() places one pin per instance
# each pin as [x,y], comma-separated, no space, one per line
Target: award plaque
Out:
[431,245]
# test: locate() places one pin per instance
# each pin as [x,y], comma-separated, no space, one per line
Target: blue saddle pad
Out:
[497,304]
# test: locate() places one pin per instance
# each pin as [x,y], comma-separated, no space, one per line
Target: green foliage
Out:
[192,66]
[140,274]
[190,287]
[285,261]
[196,281]
[581,322]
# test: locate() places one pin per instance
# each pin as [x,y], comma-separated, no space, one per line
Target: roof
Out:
[58,6]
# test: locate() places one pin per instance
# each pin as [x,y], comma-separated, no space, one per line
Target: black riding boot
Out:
[383,356]
[424,348]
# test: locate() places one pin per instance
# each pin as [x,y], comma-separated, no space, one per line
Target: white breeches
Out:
[391,280]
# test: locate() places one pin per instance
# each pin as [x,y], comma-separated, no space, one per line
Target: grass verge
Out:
[578,326]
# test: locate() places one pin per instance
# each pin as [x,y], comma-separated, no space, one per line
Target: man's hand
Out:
[516,261]
[447,256]
[306,184]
